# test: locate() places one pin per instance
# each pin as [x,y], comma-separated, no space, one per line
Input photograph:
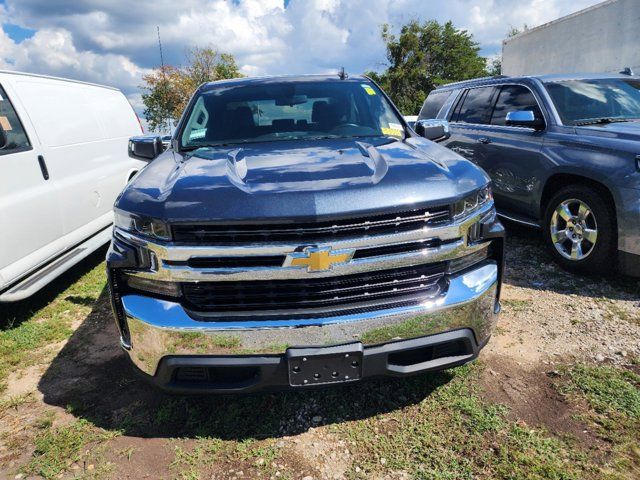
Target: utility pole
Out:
[160,47]
[163,91]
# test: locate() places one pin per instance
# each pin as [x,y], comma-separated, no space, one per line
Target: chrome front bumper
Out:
[161,328]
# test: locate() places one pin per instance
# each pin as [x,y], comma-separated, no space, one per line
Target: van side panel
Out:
[113,112]
[30,213]
[81,131]
[84,131]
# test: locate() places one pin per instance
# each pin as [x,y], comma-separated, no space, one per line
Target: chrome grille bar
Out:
[170,260]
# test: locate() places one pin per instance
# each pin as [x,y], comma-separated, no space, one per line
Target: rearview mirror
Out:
[145,147]
[434,130]
[291,101]
[524,118]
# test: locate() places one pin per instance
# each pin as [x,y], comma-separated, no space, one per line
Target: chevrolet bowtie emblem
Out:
[318,259]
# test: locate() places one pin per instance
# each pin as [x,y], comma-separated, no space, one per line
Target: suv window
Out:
[579,101]
[433,104]
[476,106]
[514,98]
[16,137]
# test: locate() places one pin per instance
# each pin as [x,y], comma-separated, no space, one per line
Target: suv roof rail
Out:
[471,80]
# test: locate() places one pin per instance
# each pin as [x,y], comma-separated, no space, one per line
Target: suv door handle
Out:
[484,140]
[43,167]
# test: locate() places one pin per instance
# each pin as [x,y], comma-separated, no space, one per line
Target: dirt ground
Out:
[550,319]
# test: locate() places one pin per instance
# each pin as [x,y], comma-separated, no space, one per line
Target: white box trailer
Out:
[600,39]
[63,162]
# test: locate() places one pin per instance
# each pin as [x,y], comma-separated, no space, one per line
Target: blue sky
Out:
[114,41]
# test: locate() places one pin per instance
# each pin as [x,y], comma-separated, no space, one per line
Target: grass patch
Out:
[57,448]
[612,398]
[608,390]
[189,461]
[616,312]
[454,434]
[517,305]
[22,342]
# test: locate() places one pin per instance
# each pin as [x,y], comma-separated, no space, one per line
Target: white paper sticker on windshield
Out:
[395,126]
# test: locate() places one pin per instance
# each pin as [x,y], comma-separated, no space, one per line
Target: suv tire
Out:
[580,230]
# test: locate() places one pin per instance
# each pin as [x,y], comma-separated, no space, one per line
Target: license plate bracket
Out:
[324,365]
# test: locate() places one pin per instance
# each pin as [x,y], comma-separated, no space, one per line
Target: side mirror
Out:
[524,118]
[3,138]
[434,130]
[145,147]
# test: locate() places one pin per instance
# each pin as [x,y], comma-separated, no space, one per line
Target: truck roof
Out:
[283,79]
[556,77]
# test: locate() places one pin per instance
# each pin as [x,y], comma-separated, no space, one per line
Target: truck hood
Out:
[291,180]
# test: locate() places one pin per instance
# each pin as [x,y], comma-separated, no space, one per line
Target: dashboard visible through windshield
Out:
[289,110]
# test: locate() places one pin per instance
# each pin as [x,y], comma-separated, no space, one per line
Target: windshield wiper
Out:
[601,121]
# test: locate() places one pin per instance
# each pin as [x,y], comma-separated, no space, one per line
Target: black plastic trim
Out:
[629,263]
[272,371]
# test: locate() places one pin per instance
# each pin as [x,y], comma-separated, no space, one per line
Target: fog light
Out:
[169,289]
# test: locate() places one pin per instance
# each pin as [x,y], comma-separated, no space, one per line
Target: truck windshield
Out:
[596,101]
[225,115]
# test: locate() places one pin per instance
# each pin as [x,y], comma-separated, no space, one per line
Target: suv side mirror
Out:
[434,130]
[145,147]
[3,138]
[524,118]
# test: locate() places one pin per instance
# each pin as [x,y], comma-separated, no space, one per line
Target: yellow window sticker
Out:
[393,132]
[5,124]
[369,90]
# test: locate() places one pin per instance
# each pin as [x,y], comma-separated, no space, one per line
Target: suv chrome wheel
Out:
[574,231]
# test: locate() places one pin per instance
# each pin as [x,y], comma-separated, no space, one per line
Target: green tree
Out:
[168,89]
[494,66]
[424,56]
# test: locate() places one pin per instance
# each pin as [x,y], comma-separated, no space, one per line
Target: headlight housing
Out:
[144,226]
[473,202]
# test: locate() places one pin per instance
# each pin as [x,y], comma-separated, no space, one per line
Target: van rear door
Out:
[30,213]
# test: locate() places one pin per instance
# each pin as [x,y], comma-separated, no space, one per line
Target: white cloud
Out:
[115,42]
[52,52]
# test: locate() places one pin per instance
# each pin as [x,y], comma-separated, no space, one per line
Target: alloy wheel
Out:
[574,231]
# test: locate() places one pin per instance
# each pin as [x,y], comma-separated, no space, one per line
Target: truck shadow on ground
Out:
[529,264]
[93,379]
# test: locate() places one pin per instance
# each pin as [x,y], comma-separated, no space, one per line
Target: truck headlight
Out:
[473,202]
[141,225]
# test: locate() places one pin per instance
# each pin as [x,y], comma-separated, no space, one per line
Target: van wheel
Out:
[579,229]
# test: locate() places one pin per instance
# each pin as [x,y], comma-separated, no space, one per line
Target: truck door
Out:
[470,115]
[512,156]
[30,214]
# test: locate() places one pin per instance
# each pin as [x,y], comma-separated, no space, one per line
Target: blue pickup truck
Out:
[297,233]
[563,152]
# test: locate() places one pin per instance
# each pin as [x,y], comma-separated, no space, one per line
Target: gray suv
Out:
[563,154]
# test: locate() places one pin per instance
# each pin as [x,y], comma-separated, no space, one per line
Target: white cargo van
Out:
[63,162]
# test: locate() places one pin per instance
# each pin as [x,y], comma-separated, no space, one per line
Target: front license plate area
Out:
[323,365]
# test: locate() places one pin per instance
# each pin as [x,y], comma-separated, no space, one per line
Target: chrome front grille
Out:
[408,263]
[223,297]
[304,232]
